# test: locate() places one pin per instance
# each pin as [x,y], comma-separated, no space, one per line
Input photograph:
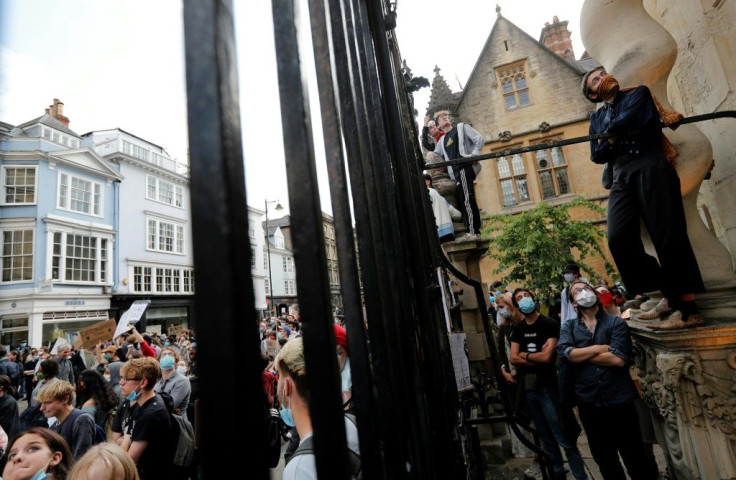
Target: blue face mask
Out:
[286,414]
[492,298]
[166,344]
[527,305]
[504,312]
[133,395]
[346,378]
[498,293]
[42,475]
[167,362]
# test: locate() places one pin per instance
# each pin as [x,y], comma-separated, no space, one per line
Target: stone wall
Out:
[703,80]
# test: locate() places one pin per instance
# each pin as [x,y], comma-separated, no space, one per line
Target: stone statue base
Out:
[688,380]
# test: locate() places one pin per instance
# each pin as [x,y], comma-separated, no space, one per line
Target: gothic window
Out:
[514,88]
[512,179]
[552,171]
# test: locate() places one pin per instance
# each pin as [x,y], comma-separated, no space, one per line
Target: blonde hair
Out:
[110,457]
[442,112]
[57,391]
[290,360]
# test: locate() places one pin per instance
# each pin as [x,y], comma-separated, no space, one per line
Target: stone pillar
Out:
[465,256]
[688,382]
[687,376]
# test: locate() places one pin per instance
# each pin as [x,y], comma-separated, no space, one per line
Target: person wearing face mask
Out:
[645,187]
[142,425]
[533,352]
[292,393]
[599,347]
[174,383]
[38,454]
[607,301]
[571,273]
[343,359]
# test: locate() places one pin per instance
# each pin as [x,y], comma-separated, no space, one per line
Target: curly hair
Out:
[95,386]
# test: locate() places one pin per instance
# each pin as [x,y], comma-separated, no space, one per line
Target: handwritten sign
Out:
[131,315]
[97,333]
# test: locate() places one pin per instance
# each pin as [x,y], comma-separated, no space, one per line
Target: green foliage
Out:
[533,246]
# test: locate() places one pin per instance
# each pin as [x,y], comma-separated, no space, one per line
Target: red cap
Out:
[341,336]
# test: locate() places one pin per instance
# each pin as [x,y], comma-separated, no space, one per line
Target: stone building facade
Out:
[521,93]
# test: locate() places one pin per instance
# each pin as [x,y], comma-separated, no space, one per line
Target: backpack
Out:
[32,417]
[306,447]
[68,425]
[183,431]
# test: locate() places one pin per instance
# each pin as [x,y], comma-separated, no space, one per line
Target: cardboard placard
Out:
[176,329]
[97,333]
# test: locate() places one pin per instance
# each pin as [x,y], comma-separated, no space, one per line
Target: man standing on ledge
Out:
[458,142]
[645,187]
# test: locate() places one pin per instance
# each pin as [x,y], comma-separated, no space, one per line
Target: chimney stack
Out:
[556,37]
[57,111]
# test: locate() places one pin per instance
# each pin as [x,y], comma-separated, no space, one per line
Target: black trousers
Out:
[647,188]
[614,430]
[467,204]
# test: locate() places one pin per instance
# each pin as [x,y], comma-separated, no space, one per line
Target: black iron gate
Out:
[404,388]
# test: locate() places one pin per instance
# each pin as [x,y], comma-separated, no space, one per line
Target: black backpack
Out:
[183,431]
[32,417]
[67,427]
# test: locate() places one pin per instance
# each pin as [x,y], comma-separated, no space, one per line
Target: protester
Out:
[38,453]
[599,345]
[96,397]
[142,425]
[9,417]
[172,382]
[293,399]
[645,188]
[459,142]
[533,352]
[77,427]
[104,461]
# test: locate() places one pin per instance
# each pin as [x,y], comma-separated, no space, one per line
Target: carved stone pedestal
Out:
[688,379]
[465,256]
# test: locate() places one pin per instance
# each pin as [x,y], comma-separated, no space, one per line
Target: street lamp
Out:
[269,297]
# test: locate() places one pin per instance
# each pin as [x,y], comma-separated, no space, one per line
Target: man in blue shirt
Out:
[598,345]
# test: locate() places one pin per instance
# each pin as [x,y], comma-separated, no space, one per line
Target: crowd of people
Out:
[570,366]
[116,410]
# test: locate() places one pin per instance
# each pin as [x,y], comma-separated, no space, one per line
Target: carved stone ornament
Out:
[504,136]
[692,400]
[544,127]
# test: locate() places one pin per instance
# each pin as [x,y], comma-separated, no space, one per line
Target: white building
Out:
[154,259]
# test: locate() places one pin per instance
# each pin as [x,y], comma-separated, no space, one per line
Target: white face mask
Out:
[569,277]
[586,298]
[181,370]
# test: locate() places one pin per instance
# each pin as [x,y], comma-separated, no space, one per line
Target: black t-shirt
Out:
[531,338]
[150,423]
[452,147]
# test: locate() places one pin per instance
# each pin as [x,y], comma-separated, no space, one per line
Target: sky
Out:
[120,63]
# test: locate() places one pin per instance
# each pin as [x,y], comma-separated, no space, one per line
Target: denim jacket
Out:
[597,384]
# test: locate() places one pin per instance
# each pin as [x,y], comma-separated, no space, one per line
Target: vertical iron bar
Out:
[309,250]
[441,419]
[393,354]
[224,300]
[362,397]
